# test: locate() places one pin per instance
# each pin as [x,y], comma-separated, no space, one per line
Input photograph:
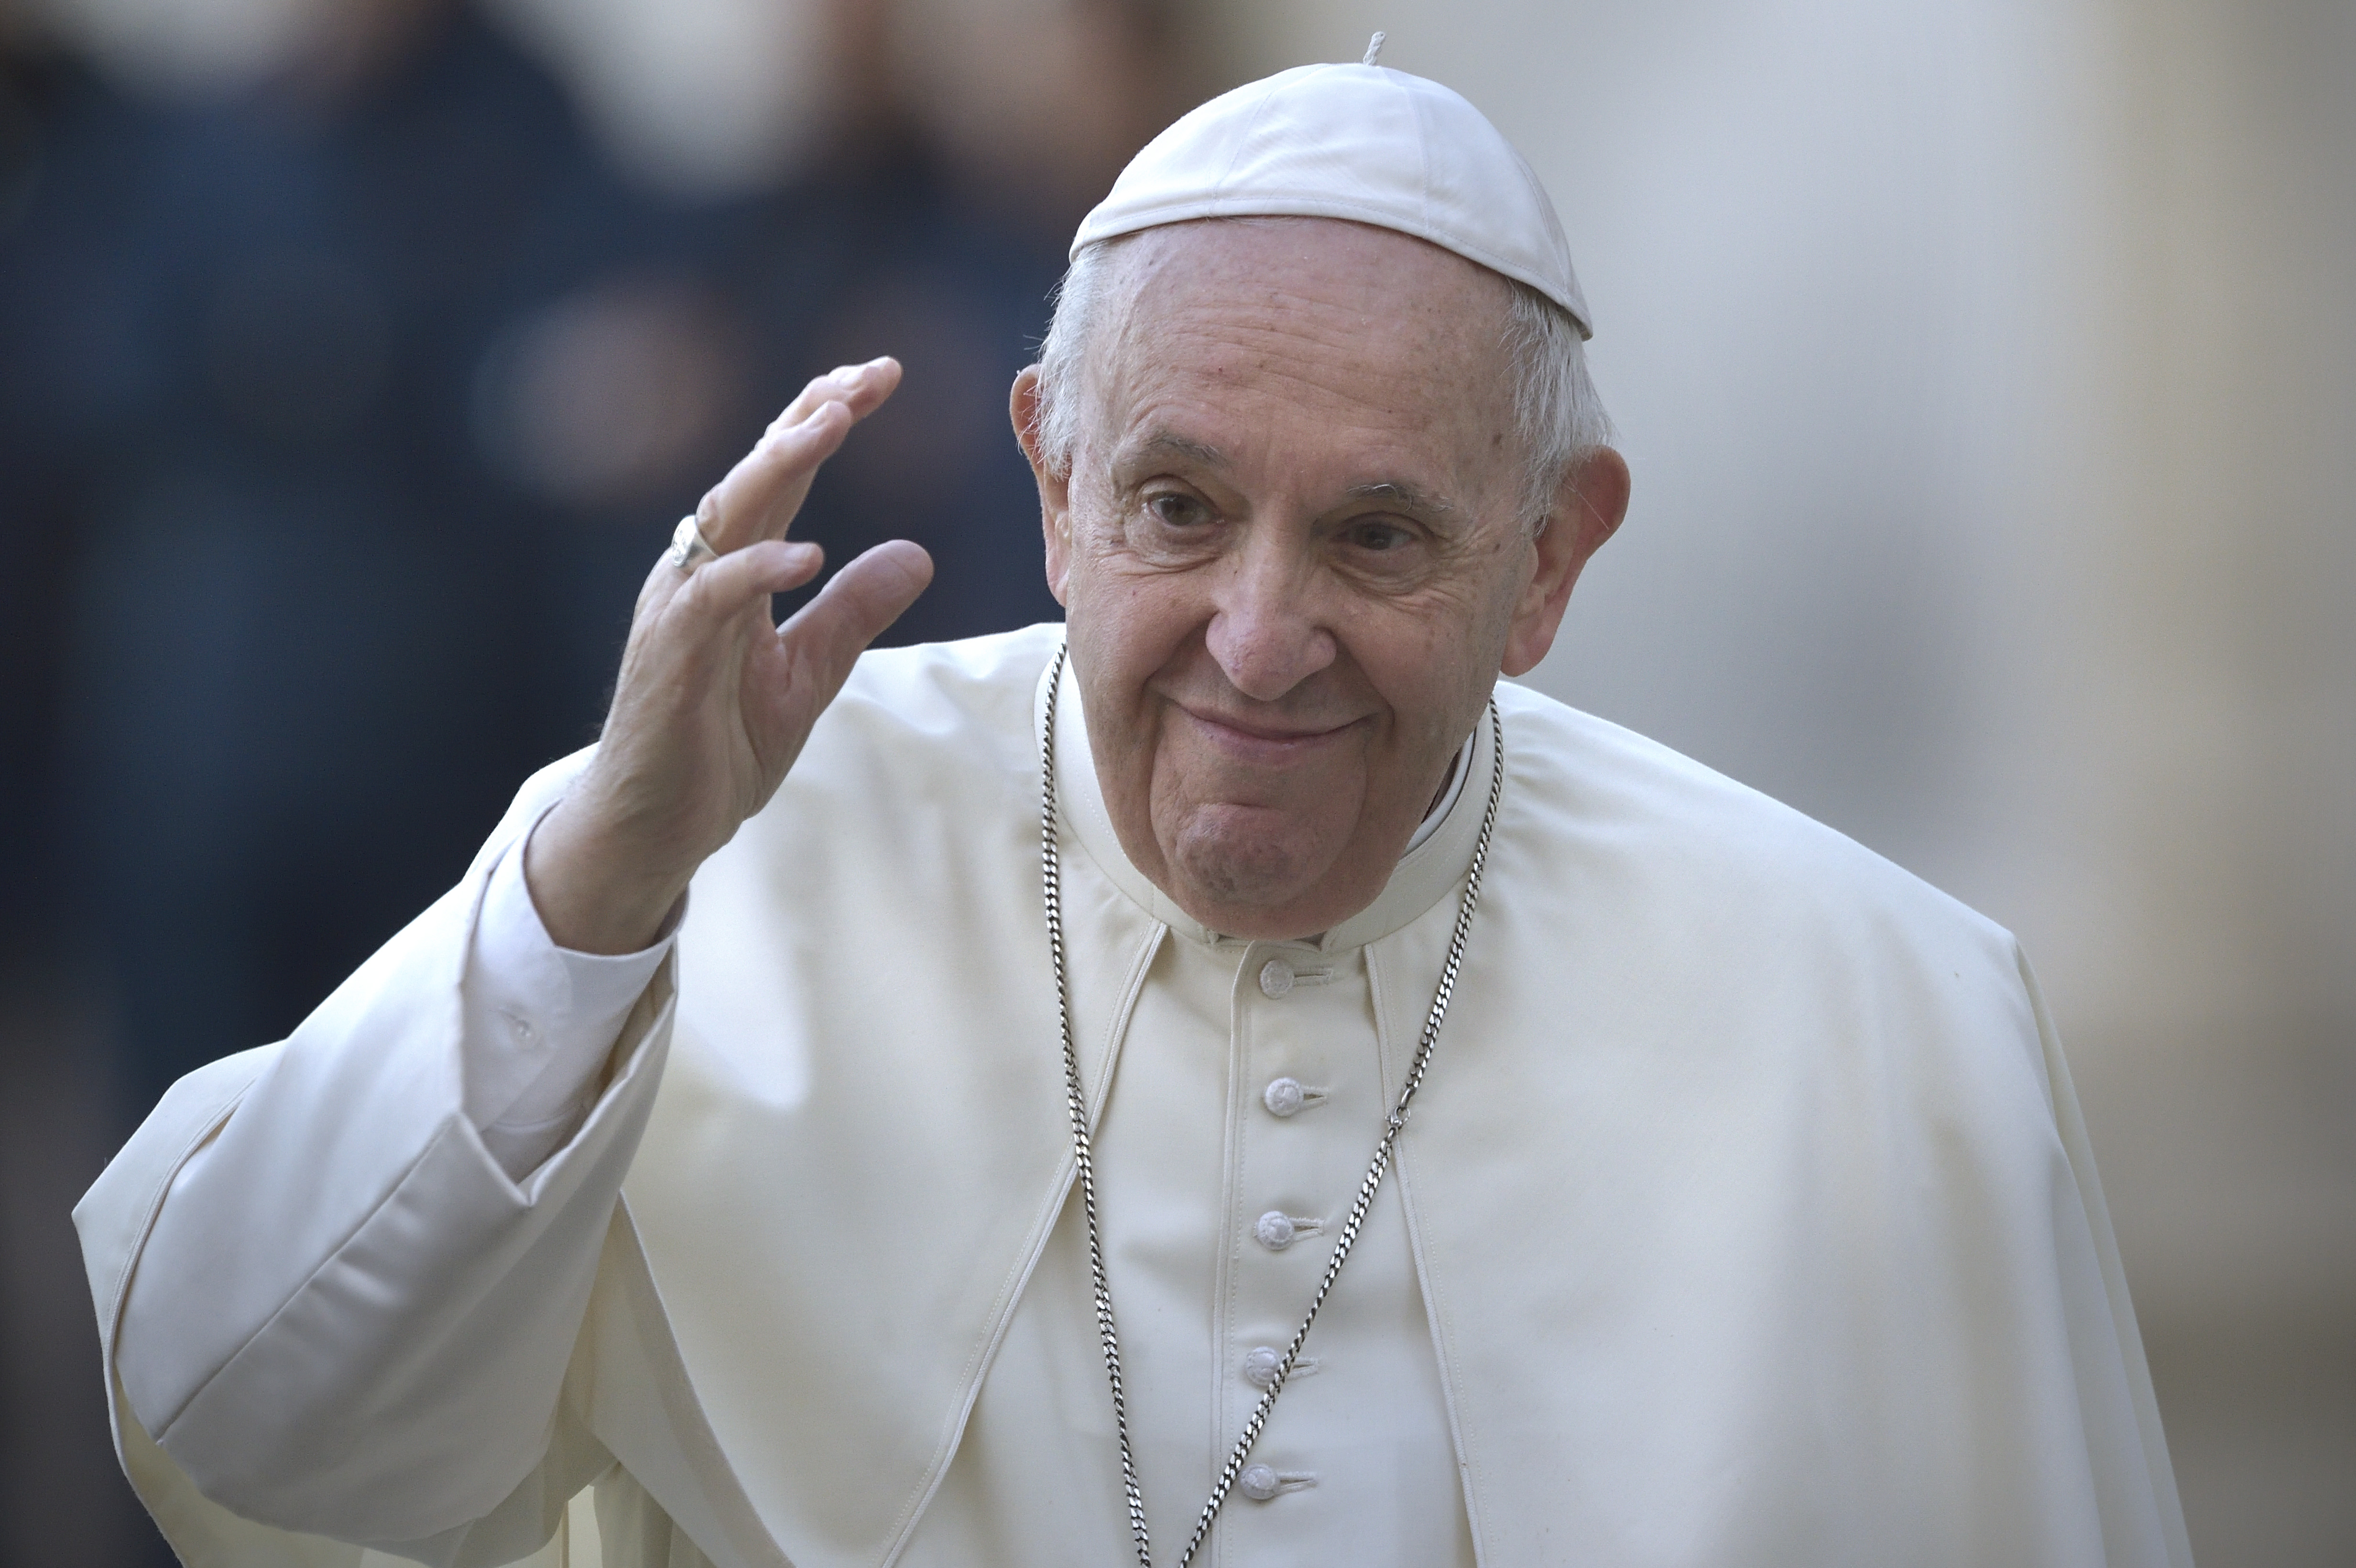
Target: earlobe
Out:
[1588,506]
[1054,489]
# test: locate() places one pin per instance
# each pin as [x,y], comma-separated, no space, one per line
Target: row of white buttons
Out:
[1275,1231]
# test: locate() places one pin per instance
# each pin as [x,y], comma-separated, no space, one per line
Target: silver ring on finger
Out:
[689,548]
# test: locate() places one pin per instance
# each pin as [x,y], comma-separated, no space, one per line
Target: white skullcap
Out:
[1359,141]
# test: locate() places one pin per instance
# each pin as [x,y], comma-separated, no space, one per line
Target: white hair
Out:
[1558,417]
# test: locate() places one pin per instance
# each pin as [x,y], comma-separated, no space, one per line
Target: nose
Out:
[1264,630]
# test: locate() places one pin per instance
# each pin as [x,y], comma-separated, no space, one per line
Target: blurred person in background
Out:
[298,303]
[963,139]
[72,150]
[71,146]
[394,306]
[277,697]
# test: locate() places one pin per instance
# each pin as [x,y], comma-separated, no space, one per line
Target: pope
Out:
[1225,1078]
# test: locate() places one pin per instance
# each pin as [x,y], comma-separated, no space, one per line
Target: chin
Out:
[1254,866]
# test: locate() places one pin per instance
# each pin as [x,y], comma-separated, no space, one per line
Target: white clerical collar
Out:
[1447,801]
[1432,869]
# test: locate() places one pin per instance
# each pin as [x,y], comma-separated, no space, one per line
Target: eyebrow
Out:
[1401,494]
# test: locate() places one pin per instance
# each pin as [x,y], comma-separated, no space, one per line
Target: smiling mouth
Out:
[1247,741]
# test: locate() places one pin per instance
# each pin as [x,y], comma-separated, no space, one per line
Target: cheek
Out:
[1125,627]
[1486,609]
[1431,669]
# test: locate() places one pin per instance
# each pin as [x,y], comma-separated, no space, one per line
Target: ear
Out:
[1588,506]
[1055,489]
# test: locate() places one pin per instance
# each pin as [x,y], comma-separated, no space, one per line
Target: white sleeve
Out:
[539,1021]
[536,1022]
[347,1318]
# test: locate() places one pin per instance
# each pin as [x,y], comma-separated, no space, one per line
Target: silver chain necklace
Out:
[1051,875]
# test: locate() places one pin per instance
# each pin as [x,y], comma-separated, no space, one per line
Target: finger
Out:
[855,608]
[725,589]
[758,498]
[665,581]
[761,495]
[862,386]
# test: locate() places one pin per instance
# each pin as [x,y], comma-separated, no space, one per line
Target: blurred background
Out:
[1987,368]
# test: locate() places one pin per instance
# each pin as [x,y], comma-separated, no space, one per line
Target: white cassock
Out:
[1746,1216]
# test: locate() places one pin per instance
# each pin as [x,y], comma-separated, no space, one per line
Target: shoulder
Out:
[1663,916]
[1680,843]
[964,705]
[930,680]
[926,756]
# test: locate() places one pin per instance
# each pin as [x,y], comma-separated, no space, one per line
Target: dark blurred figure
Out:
[992,127]
[72,154]
[615,405]
[339,422]
[342,420]
[933,226]
[300,686]
[404,392]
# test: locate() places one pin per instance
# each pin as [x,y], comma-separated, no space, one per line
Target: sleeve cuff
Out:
[541,1020]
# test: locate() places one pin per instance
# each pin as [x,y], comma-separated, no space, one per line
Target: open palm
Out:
[713,703]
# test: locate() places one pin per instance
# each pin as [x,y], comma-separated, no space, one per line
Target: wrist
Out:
[594,893]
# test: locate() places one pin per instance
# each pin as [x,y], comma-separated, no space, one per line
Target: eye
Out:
[1177,509]
[1377,536]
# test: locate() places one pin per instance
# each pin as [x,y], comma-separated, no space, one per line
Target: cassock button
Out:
[1284,1098]
[1275,1230]
[1258,1482]
[1275,977]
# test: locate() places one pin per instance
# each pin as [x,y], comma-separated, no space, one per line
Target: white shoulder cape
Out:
[1754,1214]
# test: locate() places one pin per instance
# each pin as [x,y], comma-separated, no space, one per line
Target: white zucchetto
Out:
[1357,142]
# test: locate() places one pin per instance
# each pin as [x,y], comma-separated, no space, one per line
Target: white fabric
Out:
[541,1020]
[1188,1157]
[1186,1143]
[1752,1211]
[1449,792]
[1356,141]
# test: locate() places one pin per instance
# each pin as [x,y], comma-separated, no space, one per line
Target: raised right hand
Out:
[714,702]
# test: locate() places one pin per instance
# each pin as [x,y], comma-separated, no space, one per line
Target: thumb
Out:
[855,607]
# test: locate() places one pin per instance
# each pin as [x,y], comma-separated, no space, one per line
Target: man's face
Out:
[1291,555]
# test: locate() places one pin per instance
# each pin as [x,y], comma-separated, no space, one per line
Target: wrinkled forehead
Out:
[1386,336]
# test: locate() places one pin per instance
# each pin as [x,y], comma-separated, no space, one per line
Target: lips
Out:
[1263,744]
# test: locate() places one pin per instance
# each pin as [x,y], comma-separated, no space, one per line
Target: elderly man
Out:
[1476,1135]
